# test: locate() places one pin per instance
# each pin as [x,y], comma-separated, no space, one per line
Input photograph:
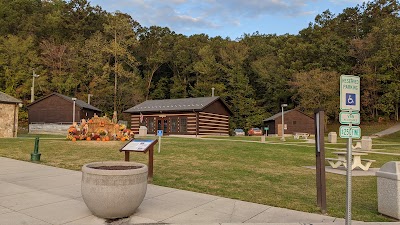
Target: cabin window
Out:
[174,125]
[151,124]
[294,122]
[183,125]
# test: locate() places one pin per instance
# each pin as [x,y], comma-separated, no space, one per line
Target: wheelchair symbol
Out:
[350,99]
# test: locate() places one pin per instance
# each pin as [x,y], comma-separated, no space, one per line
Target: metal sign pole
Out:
[348,181]
[320,159]
[159,134]
[349,103]
[159,144]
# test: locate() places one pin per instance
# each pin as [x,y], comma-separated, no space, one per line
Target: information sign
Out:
[349,118]
[159,132]
[137,145]
[349,92]
[350,132]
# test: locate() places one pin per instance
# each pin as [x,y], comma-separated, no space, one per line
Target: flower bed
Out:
[99,129]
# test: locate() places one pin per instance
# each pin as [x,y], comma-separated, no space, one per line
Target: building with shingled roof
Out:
[295,121]
[9,107]
[54,113]
[185,116]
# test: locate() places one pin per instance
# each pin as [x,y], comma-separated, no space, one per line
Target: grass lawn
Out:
[271,173]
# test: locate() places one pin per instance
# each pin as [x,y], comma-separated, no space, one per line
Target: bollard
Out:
[35,156]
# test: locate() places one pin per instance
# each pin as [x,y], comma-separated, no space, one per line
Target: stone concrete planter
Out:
[113,189]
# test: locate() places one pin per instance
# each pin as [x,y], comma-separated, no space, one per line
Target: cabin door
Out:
[162,124]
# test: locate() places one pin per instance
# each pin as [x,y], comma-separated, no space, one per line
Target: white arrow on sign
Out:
[349,118]
[350,132]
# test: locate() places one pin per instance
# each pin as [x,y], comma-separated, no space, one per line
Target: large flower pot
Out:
[113,189]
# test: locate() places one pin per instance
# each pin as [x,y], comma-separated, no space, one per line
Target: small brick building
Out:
[8,115]
[295,121]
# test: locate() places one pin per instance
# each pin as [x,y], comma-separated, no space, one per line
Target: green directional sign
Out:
[350,132]
[349,118]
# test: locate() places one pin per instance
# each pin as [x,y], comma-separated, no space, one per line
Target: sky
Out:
[226,18]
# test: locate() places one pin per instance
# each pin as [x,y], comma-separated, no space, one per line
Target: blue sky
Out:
[226,18]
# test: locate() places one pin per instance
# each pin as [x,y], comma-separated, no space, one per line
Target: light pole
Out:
[33,86]
[283,123]
[73,111]
[88,98]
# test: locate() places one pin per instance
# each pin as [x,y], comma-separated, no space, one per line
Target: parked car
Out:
[255,131]
[238,132]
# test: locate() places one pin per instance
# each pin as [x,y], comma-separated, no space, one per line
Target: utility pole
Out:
[115,74]
[88,98]
[33,86]
[283,122]
[73,111]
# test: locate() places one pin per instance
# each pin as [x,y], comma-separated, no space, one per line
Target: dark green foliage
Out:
[79,49]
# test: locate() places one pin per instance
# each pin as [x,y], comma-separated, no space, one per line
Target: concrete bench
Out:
[335,162]
[298,135]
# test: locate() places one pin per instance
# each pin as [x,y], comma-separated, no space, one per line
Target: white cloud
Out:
[346,2]
[186,15]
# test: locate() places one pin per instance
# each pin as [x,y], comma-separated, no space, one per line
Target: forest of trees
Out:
[78,49]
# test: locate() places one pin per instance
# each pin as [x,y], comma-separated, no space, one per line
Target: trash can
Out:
[332,137]
[142,131]
[366,143]
[389,189]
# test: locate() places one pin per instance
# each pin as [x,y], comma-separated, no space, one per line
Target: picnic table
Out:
[356,160]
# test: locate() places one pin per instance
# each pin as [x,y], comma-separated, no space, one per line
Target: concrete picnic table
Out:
[356,160]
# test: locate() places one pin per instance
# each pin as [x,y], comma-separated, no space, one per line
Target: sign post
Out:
[141,146]
[320,158]
[159,134]
[350,107]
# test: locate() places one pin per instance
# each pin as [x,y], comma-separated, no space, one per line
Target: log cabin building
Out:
[295,121]
[186,116]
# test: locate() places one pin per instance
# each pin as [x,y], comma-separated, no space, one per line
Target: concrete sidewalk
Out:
[36,194]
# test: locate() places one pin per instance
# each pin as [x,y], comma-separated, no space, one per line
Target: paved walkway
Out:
[35,194]
[388,131]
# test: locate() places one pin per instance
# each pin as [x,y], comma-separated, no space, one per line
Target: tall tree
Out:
[17,59]
[122,64]
[154,51]
[317,89]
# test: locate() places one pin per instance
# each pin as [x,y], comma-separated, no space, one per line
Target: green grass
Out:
[258,138]
[271,174]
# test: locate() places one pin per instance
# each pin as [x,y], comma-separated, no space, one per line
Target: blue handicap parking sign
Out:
[159,132]
[350,99]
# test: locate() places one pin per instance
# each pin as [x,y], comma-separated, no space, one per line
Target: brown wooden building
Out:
[186,116]
[57,108]
[295,121]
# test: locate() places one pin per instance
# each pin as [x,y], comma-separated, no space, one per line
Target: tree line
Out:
[80,49]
